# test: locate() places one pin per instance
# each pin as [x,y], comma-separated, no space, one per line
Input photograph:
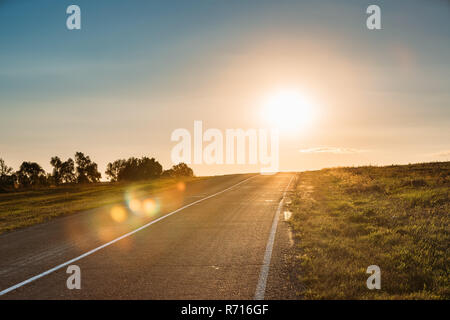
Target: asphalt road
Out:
[212,249]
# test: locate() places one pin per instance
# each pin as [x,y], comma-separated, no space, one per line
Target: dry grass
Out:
[396,217]
[25,208]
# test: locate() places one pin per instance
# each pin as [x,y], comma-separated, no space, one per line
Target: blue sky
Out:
[137,70]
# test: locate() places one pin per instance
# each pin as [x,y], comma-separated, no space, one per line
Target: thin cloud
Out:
[443,153]
[334,150]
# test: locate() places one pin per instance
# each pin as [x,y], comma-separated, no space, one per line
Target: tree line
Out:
[83,170]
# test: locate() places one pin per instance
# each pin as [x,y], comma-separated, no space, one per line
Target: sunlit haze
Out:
[119,86]
[288,110]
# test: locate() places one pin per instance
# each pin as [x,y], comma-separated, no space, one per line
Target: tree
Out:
[63,172]
[7,178]
[68,171]
[4,169]
[149,168]
[56,175]
[179,170]
[129,170]
[134,169]
[86,170]
[113,169]
[31,174]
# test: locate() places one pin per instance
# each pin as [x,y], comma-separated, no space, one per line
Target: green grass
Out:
[396,217]
[25,208]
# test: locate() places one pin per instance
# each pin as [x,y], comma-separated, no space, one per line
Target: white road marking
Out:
[43,274]
[264,273]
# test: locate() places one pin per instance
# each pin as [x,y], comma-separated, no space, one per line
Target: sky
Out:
[138,70]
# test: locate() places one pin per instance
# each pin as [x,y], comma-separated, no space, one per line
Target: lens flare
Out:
[135,205]
[105,234]
[141,207]
[150,206]
[181,186]
[118,213]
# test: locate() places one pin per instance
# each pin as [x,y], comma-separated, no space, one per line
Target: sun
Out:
[287,110]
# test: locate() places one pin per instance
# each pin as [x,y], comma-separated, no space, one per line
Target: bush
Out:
[134,169]
[179,170]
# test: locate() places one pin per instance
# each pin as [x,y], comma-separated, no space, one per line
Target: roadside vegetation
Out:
[30,195]
[84,171]
[395,217]
[24,208]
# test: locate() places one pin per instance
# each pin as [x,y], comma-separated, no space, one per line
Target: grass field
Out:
[396,217]
[25,208]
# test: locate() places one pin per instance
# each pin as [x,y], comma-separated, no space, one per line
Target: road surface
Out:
[223,244]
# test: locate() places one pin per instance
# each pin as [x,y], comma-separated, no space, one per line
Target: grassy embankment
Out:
[396,217]
[28,207]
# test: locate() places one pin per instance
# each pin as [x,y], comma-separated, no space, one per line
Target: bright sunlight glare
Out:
[288,110]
